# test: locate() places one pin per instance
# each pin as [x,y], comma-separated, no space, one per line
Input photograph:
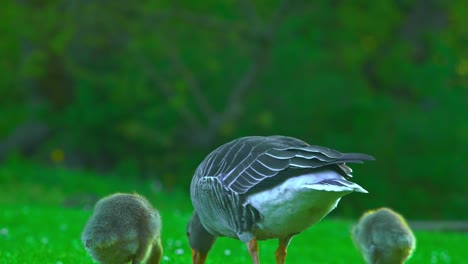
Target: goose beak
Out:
[198,257]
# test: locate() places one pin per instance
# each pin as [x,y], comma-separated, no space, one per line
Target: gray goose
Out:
[256,188]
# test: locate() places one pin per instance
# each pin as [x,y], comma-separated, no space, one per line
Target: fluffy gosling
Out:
[383,237]
[124,228]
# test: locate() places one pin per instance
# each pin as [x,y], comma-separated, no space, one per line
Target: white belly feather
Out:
[299,202]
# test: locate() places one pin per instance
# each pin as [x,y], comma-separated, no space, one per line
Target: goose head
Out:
[200,239]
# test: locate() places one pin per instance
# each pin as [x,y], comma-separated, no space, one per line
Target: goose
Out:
[383,237]
[265,187]
[124,228]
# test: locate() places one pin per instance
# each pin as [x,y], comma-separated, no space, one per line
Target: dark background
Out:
[146,89]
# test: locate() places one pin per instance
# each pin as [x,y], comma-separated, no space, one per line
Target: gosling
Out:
[383,237]
[124,228]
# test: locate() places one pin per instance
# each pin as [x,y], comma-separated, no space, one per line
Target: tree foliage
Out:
[149,89]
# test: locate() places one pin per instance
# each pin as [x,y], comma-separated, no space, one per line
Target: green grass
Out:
[43,211]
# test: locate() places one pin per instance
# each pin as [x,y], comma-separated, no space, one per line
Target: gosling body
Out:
[124,228]
[383,237]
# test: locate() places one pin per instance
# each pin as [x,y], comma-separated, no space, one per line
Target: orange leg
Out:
[253,250]
[280,254]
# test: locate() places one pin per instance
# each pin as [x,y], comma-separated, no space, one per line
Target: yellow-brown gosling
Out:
[383,237]
[124,228]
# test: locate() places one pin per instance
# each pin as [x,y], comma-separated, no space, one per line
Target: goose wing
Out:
[243,163]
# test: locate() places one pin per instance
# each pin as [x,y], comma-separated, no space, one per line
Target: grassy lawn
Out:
[43,211]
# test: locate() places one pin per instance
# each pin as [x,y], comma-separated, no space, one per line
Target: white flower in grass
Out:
[77,244]
[44,240]
[179,251]
[177,212]
[227,252]
[29,239]
[170,242]
[25,210]
[4,232]
[166,258]
[440,257]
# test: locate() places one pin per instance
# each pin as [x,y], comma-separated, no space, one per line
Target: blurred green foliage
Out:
[148,89]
